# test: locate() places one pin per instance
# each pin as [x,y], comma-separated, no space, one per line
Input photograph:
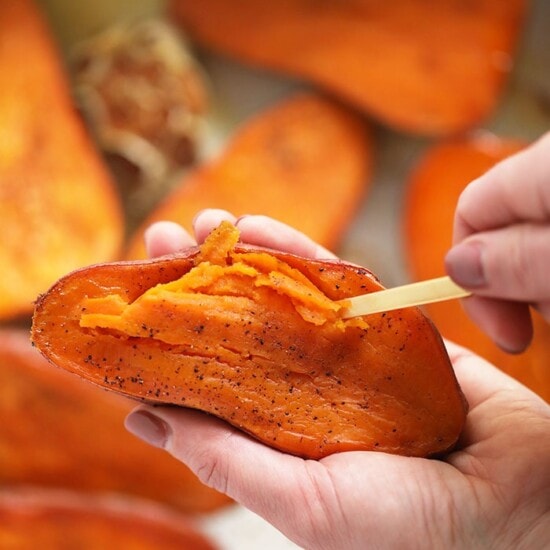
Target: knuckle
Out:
[211,467]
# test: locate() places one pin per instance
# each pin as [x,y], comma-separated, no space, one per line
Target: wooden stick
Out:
[415,294]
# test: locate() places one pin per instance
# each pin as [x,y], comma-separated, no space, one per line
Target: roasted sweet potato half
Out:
[257,338]
[58,431]
[59,208]
[37,518]
[422,66]
[432,193]
[306,161]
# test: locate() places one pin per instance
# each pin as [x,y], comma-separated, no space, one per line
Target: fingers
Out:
[262,479]
[270,233]
[478,378]
[166,238]
[207,220]
[509,263]
[515,190]
[507,269]
[507,323]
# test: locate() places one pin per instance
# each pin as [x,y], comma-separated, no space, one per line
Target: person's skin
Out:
[492,492]
[502,245]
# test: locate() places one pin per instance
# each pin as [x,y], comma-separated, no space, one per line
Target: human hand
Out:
[502,246]
[491,492]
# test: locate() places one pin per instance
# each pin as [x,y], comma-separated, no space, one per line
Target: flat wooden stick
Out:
[415,294]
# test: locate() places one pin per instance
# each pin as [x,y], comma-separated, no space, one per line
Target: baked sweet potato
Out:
[423,66]
[58,431]
[58,206]
[430,203]
[305,161]
[34,518]
[257,338]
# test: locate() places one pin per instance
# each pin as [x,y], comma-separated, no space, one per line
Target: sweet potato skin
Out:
[59,208]
[425,67]
[305,389]
[306,161]
[48,418]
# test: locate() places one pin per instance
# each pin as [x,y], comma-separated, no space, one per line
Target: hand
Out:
[502,246]
[492,492]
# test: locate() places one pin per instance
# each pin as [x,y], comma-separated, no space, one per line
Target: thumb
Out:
[510,263]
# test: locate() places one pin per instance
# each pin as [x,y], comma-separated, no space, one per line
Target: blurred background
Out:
[117,113]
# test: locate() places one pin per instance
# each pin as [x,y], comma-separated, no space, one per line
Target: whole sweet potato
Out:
[306,161]
[422,66]
[37,518]
[257,338]
[59,208]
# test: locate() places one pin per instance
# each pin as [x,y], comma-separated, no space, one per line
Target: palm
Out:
[464,501]
[494,488]
[492,492]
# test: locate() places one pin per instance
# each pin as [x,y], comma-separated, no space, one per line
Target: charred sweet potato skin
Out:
[307,389]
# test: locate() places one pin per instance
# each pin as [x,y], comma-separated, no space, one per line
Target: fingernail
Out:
[148,427]
[464,263]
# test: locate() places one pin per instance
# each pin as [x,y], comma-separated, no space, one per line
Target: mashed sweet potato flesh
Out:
[224,286]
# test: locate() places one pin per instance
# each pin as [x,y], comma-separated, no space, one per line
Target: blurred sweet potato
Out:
[144,96]
[434,188]
[422,66]
[256,337]
[306,161]
[49,519]
[58,207]
[59,431]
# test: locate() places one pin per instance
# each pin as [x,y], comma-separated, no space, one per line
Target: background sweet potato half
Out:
[431,198]
[429,67]
[58,207]
[58,431]
[306,161]
[38,518]
[267,352]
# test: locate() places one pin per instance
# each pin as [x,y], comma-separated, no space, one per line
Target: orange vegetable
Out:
[58,431]
[431,199]
[422,66]
[58,205]
[305,161]
[256,337]
[34,518]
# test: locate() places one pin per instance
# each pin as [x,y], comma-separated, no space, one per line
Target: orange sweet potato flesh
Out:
[58,206]
[33,518]
[59,431]
[256,337]
[431,198]
[430,67]
[306,161]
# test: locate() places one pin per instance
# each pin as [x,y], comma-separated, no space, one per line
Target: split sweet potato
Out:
[58,206]
[58,431]
[34,518]
[306,161]
[423,66]
[432,194]
[257,338]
